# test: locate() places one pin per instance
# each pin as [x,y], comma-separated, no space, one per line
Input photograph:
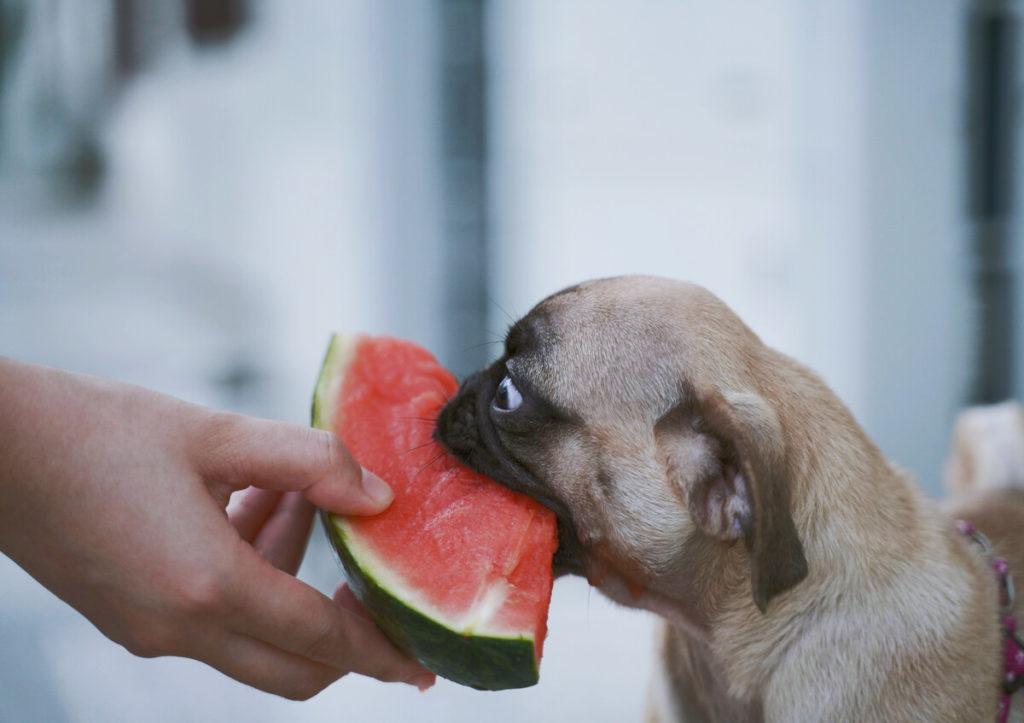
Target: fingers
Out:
[282,541]
[250,509]
[284,624]
[241,451]
[289,614]
[270,669]
[344,596]
[276,524]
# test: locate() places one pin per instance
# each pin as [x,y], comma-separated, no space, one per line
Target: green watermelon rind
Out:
[485,662]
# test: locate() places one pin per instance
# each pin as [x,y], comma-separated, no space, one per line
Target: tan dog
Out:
[701,475]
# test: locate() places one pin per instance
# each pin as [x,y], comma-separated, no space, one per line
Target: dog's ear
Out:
[727,458]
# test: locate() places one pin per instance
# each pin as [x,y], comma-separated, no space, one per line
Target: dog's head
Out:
[635,408]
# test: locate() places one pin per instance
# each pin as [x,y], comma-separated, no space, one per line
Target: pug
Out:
[703,476]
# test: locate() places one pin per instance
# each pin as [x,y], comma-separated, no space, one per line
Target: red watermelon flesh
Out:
[455,546]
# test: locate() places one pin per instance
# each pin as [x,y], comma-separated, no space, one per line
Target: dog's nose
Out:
[456,424]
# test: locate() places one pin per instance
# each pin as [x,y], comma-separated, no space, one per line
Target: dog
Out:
[701,475]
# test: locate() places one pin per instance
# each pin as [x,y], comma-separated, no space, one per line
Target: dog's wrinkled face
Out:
[626,406]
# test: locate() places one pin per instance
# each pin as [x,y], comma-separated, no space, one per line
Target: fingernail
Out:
[377,489]
[423,681]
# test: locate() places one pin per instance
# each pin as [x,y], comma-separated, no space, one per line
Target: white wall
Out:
[918,344]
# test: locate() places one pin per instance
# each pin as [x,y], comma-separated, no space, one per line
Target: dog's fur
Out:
[699,474]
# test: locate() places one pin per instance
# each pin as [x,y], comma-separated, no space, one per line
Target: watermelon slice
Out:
[457,571]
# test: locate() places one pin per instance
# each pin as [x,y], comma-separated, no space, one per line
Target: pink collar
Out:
[1013,650]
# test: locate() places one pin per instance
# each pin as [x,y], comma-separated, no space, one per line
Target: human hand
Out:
[114,498]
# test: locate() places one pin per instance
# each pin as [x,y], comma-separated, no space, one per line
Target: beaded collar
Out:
[1013,649]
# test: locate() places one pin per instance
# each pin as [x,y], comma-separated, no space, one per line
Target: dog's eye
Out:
[507,397]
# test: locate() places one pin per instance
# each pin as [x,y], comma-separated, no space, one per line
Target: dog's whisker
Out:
[501,308]
[491,342]
[431,461]
[418,447]
[442,391]
[428,420]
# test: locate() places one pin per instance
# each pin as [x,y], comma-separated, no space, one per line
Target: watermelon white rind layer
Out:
[332,375]
[454,649]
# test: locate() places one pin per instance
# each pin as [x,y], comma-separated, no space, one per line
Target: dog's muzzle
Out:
[465,430]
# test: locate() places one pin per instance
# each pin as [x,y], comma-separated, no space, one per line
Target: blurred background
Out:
[194,194]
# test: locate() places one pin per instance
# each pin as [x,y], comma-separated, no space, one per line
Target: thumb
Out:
[244,451]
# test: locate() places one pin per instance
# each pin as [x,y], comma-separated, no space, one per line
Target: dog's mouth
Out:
[464,429]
